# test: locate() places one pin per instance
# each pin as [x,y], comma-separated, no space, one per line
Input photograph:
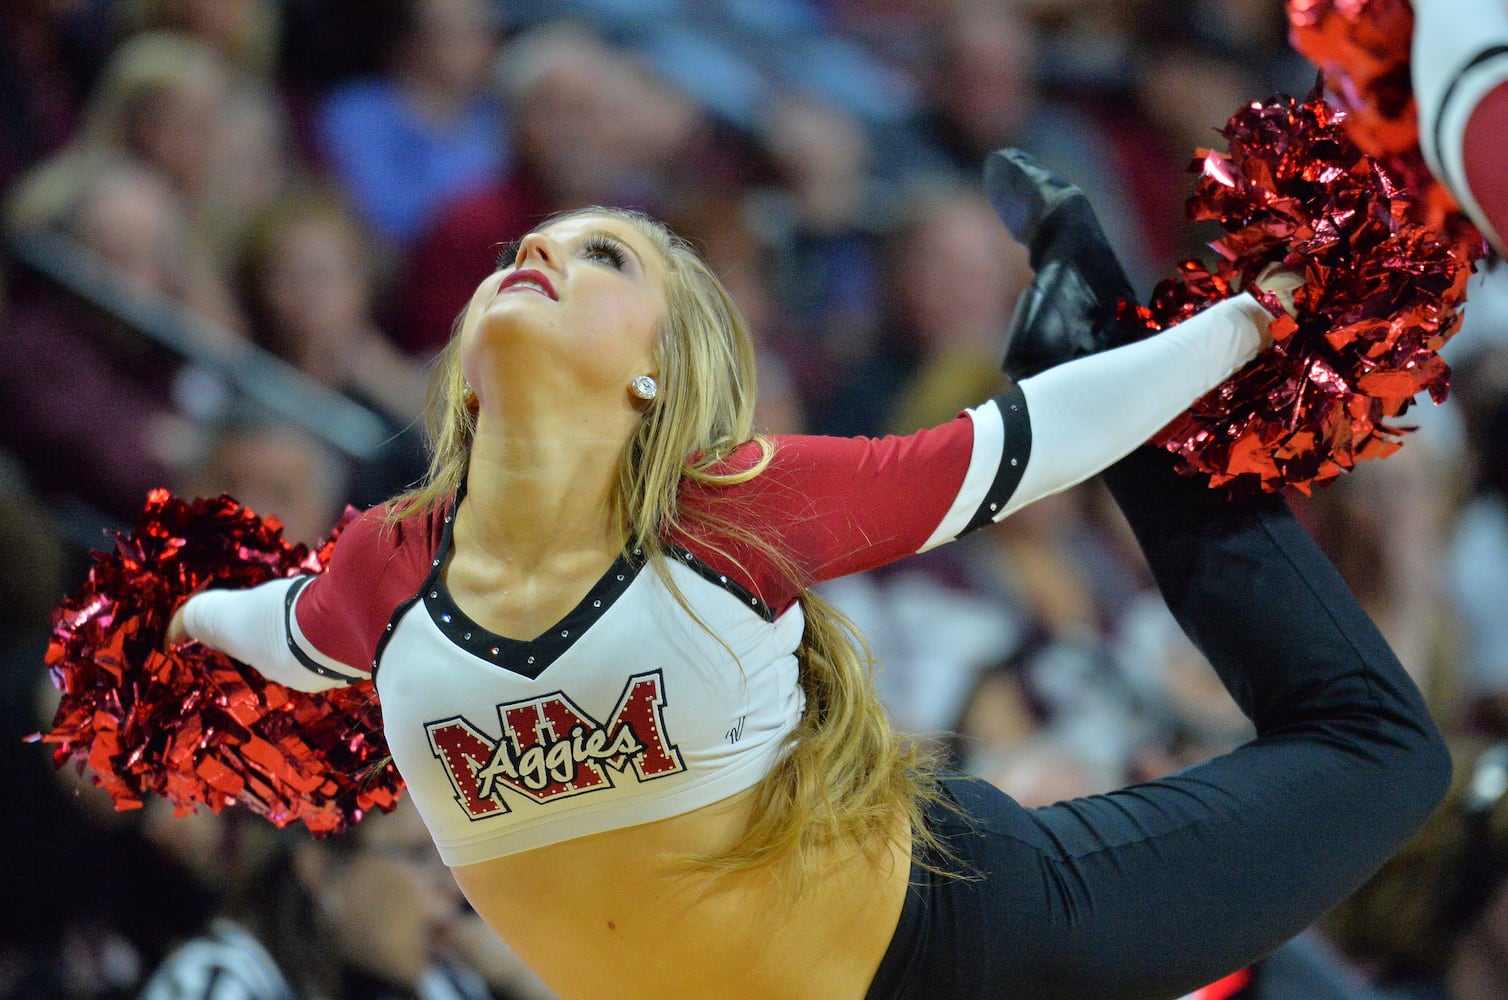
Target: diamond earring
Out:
[644,386]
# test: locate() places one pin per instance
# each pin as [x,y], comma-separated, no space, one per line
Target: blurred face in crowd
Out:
[957,275]
[315,294]
[983,80]
[567,129]
[388,900]
[133,222]
[224,24]
[589,120]
[177,128]
[277,470]
[452,45]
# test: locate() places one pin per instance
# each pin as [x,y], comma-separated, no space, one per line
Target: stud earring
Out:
[644,386]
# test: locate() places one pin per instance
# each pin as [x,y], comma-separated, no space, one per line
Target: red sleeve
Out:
[834,506]
[376,567]
[1484,149]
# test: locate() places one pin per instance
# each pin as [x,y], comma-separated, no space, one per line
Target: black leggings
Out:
[1155,890]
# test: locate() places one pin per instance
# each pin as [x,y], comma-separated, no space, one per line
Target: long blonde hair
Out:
[846,778]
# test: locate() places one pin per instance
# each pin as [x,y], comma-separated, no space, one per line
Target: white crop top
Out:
[627,710]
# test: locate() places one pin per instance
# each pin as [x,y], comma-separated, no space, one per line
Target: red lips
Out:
[529,275]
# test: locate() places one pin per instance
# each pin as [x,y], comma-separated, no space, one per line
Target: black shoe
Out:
[1070,308]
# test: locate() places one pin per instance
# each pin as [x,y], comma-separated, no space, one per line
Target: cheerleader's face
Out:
[577,305]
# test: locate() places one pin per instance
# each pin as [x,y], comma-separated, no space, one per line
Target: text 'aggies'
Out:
[551,749]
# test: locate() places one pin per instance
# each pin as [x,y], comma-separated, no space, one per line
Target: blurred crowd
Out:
[308,191]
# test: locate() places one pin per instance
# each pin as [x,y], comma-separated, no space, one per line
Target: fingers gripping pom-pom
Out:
[1383,290]
[190,724]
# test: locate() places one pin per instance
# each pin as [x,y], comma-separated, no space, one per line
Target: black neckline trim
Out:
[689,559]
[527,657]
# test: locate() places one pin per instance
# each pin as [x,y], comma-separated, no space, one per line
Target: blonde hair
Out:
[846,780]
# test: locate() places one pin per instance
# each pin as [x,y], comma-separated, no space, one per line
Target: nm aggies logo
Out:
[551,749]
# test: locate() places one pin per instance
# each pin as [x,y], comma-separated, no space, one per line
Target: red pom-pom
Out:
[1334,186]
[1383,291]
[190,724]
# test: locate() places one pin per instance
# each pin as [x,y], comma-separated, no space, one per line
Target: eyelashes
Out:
[596,245]
[508,254]
[602,246]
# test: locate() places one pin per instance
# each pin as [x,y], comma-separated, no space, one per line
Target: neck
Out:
[541,491]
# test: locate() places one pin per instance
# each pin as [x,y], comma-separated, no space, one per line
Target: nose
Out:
[536,247]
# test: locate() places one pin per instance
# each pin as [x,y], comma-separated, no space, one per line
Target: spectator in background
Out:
[255,157]
[255,164]
[820,221]
[1178,710]
[721,223]
[308,283]
[590,126]
[49,55]
[981,81]
[983,84]
[369,913]
[1433,923]
[1476,564]
[1249,34]
[160,101]
[85,401]
[1014,731]
[895,29]
[276,469]
[404,142]
[952,276]
[1184,96]
[244,33]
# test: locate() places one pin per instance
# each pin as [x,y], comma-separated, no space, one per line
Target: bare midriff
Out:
[617,915]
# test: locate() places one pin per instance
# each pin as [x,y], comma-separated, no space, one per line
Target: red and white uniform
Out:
[1459,66]
[629,710]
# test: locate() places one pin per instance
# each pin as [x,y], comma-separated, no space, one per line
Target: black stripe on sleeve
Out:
[298,654]
[1450,92]
[1013,457]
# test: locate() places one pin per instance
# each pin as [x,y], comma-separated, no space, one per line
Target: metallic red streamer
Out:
[191,724]
[1333,185]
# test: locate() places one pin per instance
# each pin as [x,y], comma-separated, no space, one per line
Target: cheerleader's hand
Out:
[1281,281]
[177,634]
